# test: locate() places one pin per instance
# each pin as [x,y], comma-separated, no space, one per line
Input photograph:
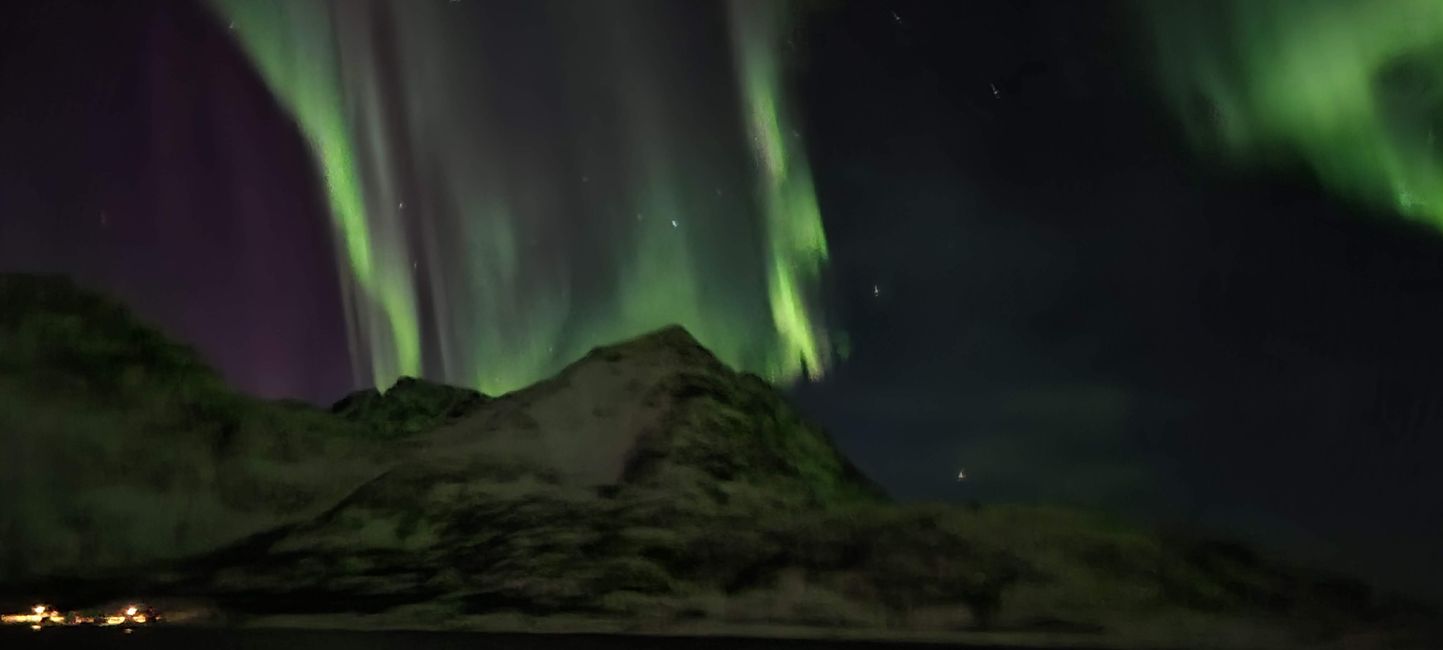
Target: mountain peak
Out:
[656,411]
[670,344]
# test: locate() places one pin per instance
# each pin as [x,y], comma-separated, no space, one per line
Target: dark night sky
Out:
[1068,303]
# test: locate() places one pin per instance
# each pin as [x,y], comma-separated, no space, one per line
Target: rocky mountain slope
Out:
[646,487]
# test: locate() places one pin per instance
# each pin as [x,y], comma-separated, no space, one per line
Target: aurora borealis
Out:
[481,247]
[1352,89]
[1038,276]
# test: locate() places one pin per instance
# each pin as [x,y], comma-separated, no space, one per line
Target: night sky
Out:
[1188,283]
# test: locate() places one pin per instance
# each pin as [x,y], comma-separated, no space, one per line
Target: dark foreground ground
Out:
[253,639]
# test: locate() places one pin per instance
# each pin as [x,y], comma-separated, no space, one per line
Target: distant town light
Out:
[45,615]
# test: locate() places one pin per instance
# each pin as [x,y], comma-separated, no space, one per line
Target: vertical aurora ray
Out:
[1351,88]
[290,45]
[512,185]
[796,241]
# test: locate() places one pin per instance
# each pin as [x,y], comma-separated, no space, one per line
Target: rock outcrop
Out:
[409,406]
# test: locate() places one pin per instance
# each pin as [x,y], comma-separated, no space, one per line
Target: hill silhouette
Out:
[647,487]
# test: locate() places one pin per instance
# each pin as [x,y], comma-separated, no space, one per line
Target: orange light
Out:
[38,609]
[114,620]
[130,611]
[138,618]
[38,617]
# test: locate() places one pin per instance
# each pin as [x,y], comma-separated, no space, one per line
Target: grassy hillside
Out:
[122,446]
[485,547]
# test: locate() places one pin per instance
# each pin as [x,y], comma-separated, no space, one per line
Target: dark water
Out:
[225,639]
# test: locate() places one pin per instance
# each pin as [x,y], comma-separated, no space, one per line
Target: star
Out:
[996,94]
[961,474]
[673,223]
[876,291]
[401,205]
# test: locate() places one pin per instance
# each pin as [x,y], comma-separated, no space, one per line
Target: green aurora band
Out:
[1353,89]
[794,222]
[481,249]
[300,65]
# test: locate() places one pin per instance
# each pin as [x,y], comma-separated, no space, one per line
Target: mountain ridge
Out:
[645,487]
